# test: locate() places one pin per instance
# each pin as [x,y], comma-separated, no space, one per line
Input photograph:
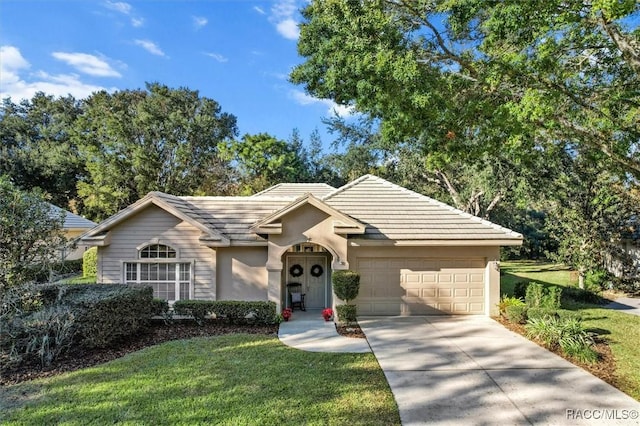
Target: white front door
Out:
[314,279]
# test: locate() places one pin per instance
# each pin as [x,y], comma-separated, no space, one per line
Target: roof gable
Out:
[342,224]
[171,204]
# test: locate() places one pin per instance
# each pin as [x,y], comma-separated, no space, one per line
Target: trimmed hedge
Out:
[346,313]
[90,262]
[235,311]
[106,313]
[346,285]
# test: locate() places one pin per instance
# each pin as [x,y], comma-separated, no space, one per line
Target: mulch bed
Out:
[605,368]
[156,334]
[352,330]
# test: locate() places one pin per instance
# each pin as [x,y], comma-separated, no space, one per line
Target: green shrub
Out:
[90,262]
[506,301]
[558,313]
[107,313]
[534,295]
[346,285]
[595,281]
[567,334]
[551,298]
[347,313]
[161,308]
[235,311]
[38,336]
[520,289]
[516,314]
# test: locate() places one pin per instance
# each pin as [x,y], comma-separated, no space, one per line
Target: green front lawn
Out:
[226,380]
[621,330]
[79,279]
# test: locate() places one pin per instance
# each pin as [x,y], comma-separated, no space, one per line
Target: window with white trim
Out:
[169,278]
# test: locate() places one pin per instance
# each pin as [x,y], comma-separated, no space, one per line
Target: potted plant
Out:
[286,314]
[327,314]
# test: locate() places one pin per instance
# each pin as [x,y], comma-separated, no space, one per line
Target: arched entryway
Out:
[310,265]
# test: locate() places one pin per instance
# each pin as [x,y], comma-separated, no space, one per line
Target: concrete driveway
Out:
[627,305]
[472,370]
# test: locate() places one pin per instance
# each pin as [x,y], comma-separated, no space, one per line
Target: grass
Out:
[79,279]
[227,380]
[621,330]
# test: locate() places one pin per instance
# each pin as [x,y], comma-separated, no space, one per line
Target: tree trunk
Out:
[581,275]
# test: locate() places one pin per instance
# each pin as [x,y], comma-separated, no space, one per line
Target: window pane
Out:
[131,272]
[164,290]
[157,251]
[185,271]
[184,291]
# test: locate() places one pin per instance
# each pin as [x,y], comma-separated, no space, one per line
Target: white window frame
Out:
[173,261]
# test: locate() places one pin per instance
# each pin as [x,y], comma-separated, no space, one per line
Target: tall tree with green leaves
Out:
[158,139]
[589,213]
[31,237]
[466,77]
[263,160]
[36,146]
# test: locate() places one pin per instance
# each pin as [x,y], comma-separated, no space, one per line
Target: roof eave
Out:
[355,242]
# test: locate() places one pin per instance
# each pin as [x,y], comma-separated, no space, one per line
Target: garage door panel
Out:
[418,286]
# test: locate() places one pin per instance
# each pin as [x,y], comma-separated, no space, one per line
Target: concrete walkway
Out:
[308,331]
[471,370]
[628,305]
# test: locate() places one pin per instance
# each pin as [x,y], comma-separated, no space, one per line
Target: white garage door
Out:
[418,286]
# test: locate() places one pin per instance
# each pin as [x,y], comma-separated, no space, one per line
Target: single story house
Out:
[415,255]
[73,227]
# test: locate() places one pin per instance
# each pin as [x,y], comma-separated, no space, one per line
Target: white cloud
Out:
[199,22]
[150,47]
[283,17]
[118,6]
[288,29]
[218,57]
[333,108]
[259,10]
[137,22]
[88,64]
[17,83]
[11,62]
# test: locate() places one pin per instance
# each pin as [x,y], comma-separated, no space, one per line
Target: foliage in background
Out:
[481,82]
[30,236]
[158,139]
[36,146]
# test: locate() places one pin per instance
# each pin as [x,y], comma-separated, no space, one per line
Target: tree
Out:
[30,236]
[263,160]
[589,213]
[480,81]
[36,149]
[158,139]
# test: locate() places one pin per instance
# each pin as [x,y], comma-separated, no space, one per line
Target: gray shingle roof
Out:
[295,190]
[390,212]
[72,220]
[396,213]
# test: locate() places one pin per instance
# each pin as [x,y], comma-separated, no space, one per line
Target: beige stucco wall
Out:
[491,256]
[158,226]
[305,224]
[241,273]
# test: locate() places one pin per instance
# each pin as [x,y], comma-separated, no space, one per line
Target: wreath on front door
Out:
[296,270]
[316,270]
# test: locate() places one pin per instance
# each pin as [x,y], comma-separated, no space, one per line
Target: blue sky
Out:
[238,53]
